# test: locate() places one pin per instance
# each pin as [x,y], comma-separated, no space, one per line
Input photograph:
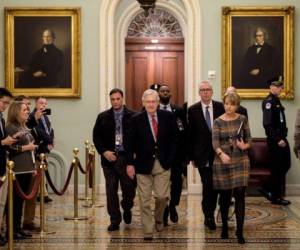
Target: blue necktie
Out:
[207,118]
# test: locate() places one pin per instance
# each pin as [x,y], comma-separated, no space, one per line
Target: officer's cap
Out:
[276,81]
[155,86]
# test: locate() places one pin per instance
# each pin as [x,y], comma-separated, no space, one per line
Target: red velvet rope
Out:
[88,167]
[60,193]
[35,187]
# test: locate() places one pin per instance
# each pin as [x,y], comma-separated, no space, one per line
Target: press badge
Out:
[180,125]
[119,139]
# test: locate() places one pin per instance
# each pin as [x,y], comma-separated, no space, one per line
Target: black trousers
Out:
[113,176]
[176,183]
[281,163]
[209,195]
[24,181]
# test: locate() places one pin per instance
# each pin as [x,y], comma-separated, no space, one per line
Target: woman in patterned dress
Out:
[231,140]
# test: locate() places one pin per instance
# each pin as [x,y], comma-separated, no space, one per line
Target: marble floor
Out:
[267,227]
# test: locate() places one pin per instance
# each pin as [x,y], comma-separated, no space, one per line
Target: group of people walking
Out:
[150,150]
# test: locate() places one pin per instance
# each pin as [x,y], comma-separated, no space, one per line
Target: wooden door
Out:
[148,63]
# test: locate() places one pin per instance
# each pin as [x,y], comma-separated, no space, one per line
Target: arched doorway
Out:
[154,54]
[115,17]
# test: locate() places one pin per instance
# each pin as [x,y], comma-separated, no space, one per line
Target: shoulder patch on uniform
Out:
[268,105]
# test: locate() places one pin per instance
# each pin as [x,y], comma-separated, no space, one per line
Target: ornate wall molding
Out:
[159,23]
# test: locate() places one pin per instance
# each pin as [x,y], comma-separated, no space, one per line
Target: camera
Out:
[47,112]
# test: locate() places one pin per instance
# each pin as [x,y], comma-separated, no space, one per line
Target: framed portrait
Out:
[257,46]
[42,50]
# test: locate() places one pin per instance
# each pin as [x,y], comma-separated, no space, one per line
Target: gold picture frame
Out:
[247,62]
[42,51]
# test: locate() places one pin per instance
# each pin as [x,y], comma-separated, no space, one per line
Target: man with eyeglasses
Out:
[200,122]
[260,62]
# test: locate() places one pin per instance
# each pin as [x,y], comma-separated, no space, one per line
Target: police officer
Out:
[274,123]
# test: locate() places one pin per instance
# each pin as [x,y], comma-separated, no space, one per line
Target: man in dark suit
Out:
[152,143]
[109,136]
[5,98]
[200,117]
[180,159]
[260,63]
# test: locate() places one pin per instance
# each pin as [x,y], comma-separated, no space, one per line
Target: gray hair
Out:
[205,82]
[263,30]
[230,89]
[150,92]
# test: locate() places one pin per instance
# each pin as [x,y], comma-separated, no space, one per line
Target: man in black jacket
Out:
[109,136]
[274,123]
[152,143]
[5,98]
[180,159]
[200,119]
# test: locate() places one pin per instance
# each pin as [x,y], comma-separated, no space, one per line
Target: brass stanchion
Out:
[86,190]
[93,204]
[76,217]
[10,175]
[43,167]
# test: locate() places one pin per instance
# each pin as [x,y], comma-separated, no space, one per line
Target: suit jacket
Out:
[2,150]
[242,111]
[181,122]
[104,132]
[142,148]
[199,136]
[41,137]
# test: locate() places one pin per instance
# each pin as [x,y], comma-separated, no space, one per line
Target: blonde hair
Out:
[13,114]
[233,98]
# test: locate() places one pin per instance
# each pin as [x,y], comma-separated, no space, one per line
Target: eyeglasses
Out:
[5,102]
[205,90]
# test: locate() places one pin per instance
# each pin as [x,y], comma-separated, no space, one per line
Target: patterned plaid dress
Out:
[225,134]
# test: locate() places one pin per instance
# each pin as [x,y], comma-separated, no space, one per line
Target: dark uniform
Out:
[274,123]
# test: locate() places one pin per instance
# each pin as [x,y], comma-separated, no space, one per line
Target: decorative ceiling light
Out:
[147,5]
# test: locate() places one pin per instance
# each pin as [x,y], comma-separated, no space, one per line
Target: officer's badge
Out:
[268,105]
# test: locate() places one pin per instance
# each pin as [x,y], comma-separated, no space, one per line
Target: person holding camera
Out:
[43,133]
[231,140]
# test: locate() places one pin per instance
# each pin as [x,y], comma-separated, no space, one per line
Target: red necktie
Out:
[154,126]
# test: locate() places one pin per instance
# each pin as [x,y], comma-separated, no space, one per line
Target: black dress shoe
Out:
[266,194]
[166,216]
[3,241]
[26,234]
[173,214]
[224,233]
[18,236]
[127,216]
[240,237]
[113,227]
[47,199]
[210,223]
[281,202]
